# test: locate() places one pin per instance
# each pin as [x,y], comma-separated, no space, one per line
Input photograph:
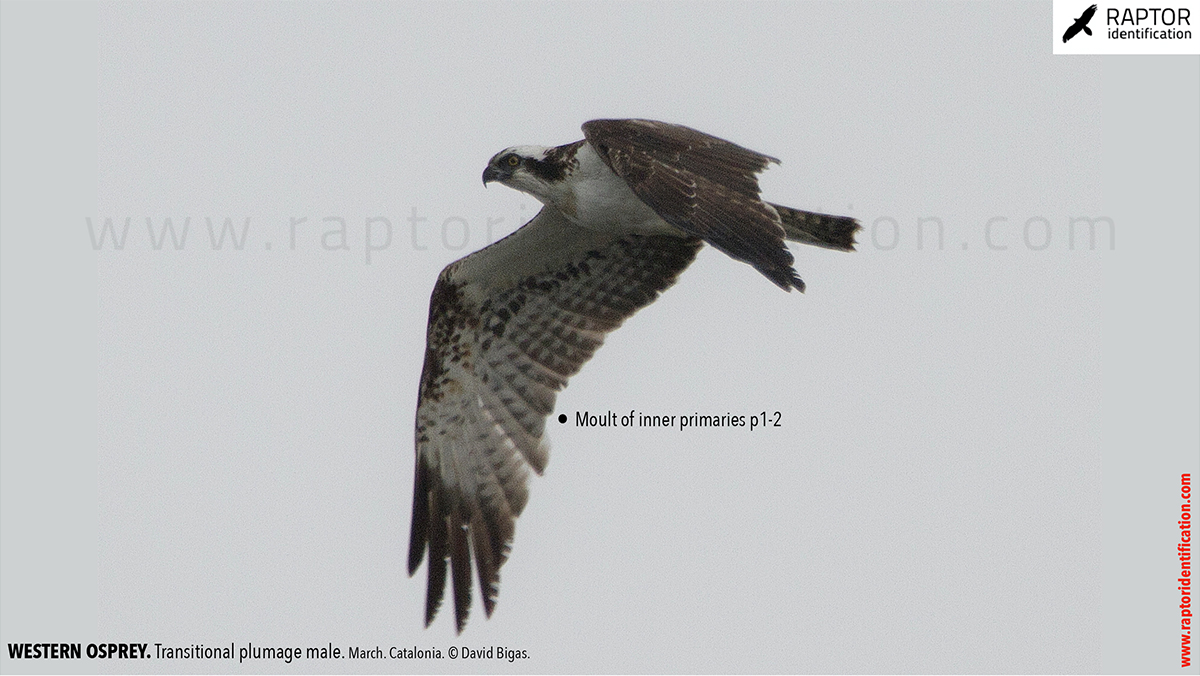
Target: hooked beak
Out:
[490,174]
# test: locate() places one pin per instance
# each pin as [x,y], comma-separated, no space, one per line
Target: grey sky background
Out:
[214,446]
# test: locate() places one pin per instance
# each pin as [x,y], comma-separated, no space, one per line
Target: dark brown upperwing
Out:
[703,185]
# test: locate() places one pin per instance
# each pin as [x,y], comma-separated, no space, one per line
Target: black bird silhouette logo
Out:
[1081,24]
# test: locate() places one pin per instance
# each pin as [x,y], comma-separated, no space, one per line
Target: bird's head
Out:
[525,168]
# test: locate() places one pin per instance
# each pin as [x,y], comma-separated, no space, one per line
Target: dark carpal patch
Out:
[528,339]
[505,336]
[449,320]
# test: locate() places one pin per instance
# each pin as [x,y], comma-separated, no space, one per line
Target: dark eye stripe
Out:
[545,170]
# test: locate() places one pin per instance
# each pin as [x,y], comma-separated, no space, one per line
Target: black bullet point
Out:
[562,417]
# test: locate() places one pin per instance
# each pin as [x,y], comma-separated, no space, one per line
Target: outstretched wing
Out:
[508,325]
[701,184]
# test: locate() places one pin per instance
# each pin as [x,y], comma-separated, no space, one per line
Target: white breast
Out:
[604,201]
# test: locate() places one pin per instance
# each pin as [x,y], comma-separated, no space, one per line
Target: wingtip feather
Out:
[419,533]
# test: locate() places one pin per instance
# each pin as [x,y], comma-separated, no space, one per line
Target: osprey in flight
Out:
[625,211]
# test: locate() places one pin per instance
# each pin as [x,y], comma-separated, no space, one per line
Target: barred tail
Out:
[823,230]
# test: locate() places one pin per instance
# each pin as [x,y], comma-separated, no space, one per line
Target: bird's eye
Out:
[513,160]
